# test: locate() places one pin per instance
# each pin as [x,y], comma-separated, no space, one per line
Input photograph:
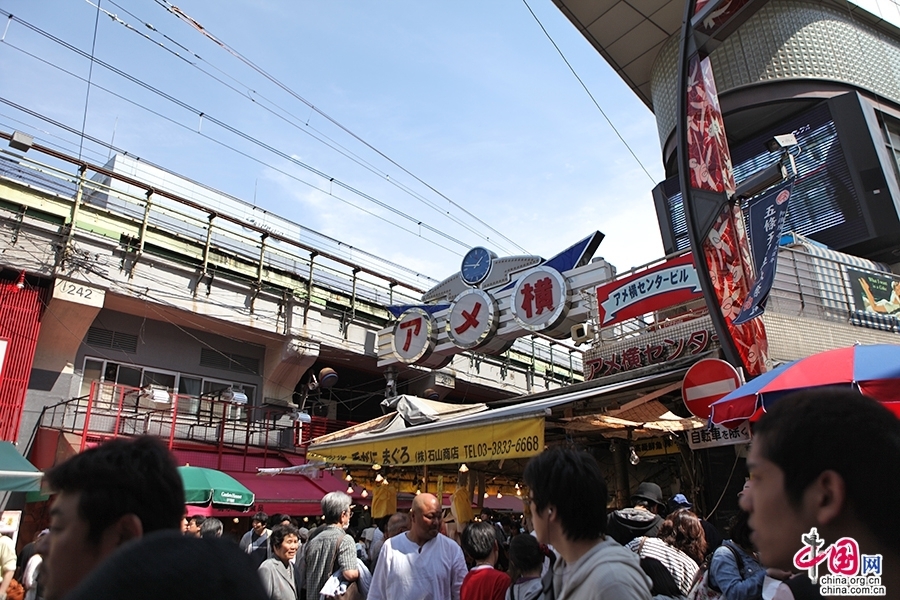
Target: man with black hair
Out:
[396,524]
[827,459]
[168,566]
[483,582]
[258,535]
[567,494]
[194,525]
[106,496]
[642,519]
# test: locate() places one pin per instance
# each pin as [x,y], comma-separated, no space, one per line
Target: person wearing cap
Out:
[713,537]
[641,520]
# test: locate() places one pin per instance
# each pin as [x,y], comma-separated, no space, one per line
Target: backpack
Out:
[701,588]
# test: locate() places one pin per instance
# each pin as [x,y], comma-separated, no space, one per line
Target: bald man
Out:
[420,563]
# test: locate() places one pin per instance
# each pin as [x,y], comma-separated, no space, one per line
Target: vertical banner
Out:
[767,215]
[725,252]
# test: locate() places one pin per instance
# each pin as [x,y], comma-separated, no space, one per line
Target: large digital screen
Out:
[825,204]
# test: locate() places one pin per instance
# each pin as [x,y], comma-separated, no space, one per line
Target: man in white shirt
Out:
[420,564]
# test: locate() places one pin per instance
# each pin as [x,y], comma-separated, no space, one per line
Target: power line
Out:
[265,146]
[196,25]
[376,259]
[87,91]
[298,124]
[590,95]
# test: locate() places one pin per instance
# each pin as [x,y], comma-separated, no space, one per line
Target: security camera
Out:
[781,142]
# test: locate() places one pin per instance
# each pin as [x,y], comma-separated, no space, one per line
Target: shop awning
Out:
[295,495]
[515,431]
[16,473]
[646,417]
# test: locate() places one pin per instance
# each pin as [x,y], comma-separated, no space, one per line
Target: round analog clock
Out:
[476,265]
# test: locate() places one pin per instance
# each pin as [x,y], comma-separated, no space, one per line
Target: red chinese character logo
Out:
[471,319]
[537,298]
[844,557]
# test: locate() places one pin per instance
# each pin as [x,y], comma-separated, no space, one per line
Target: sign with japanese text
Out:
[766,218]
[672,282]
[716,435]
[658,446]
[414,335]
[539,299]
[642,355]
[493,441]
[472,319]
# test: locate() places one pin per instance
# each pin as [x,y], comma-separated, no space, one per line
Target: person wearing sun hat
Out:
[642,519]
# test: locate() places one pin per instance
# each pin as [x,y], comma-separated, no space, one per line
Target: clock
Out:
[476,265]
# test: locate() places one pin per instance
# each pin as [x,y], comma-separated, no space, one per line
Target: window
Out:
[196,395]
[114,340]
[891,130]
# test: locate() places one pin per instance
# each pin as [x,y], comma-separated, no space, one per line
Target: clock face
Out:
[476,265]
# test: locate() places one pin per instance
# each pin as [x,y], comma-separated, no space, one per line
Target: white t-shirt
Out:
[406,572]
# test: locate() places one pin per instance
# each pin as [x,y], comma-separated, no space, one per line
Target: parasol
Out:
[204,486]
[873,370]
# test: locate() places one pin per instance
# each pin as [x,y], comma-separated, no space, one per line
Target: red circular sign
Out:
[707,381]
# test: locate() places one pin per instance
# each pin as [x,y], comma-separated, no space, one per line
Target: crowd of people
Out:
[118,529]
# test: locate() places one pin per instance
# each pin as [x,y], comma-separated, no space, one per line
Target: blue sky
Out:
[469,96]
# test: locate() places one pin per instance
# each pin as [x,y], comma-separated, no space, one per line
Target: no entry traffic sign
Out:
[707,381]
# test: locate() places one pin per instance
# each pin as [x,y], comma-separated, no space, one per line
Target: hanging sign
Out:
[539,299]
[495,441]
[672,282]
[414,335]
[717,435]
[473,319]
[767,217]
[645,354]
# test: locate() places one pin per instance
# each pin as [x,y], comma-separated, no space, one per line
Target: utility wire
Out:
[196,25]
[265,146]
[376,260]
[296,122]
[590,95]
[87,91]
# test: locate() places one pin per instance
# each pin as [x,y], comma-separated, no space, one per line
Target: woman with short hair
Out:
[277,573]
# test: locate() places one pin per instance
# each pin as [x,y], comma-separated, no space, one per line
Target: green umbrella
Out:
[204,486]
[16,473]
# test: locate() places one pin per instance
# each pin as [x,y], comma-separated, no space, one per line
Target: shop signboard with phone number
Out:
[494,441]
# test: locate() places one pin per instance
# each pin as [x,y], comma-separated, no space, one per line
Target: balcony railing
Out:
[110,411]
[811,283]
